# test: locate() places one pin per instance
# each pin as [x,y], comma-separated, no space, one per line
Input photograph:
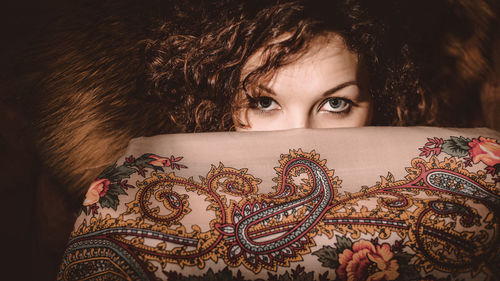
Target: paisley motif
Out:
[445,217]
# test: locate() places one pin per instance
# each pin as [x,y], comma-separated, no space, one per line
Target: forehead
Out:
[318,48]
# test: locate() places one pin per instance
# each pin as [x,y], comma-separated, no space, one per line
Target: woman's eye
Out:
[266,103]
[336,105]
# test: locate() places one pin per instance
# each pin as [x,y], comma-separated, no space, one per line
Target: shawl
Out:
[371,203]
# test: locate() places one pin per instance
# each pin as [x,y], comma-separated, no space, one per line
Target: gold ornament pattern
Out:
[445,218]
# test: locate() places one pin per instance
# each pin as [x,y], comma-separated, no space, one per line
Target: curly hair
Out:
[196,68]
[109,71]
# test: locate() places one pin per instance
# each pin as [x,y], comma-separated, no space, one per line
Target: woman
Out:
[247,56]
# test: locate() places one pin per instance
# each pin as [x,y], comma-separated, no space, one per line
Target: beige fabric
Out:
[384,219]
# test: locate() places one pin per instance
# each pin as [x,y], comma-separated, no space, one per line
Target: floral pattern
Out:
[98,188]
[485,150]
[445,217]
[481,149]
[365,261]
[113,182]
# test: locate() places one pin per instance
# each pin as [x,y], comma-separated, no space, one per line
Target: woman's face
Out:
[323,89]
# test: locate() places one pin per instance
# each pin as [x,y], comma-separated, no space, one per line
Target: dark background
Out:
[28,253]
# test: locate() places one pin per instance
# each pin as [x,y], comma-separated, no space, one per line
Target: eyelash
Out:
[254,104]
[349,105]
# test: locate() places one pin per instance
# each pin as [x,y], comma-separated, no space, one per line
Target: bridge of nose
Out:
[299,115]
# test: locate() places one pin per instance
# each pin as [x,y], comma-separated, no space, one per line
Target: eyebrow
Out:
[326,93]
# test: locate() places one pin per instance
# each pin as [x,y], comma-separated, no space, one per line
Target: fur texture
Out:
[88,105]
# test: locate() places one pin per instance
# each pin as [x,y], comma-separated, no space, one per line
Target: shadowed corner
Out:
[490,93]
[31,236]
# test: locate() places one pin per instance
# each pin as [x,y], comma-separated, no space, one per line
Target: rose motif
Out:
[485,150]
[97,189]
[366,261]
[159,161]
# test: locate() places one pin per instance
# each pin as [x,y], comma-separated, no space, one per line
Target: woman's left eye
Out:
[336,105]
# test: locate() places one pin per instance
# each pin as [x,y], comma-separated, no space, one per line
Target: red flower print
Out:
[98,188]
[366,261]
[159,161]
[485,150]
[166,162]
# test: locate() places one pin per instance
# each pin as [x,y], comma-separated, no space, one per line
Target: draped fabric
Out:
[372,203]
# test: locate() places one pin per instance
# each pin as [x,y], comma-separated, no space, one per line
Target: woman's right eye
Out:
[266,104]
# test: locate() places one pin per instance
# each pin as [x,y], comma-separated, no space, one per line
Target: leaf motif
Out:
[429,142]
[343,243]
[109,201]
[406,270]
[210,275]
[285,277]
[176,159]
[144,157]
[403,258]
[425,151]
[105,202]
[457,147]
[119,173]
[155,168]
[305,276]
[462,142]
[143,160]
[84,210]
[116,189]
[328,256]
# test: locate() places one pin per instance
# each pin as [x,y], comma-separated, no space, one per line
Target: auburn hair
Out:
[197,71]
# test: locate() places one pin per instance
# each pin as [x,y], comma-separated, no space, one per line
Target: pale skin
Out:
[322,89]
